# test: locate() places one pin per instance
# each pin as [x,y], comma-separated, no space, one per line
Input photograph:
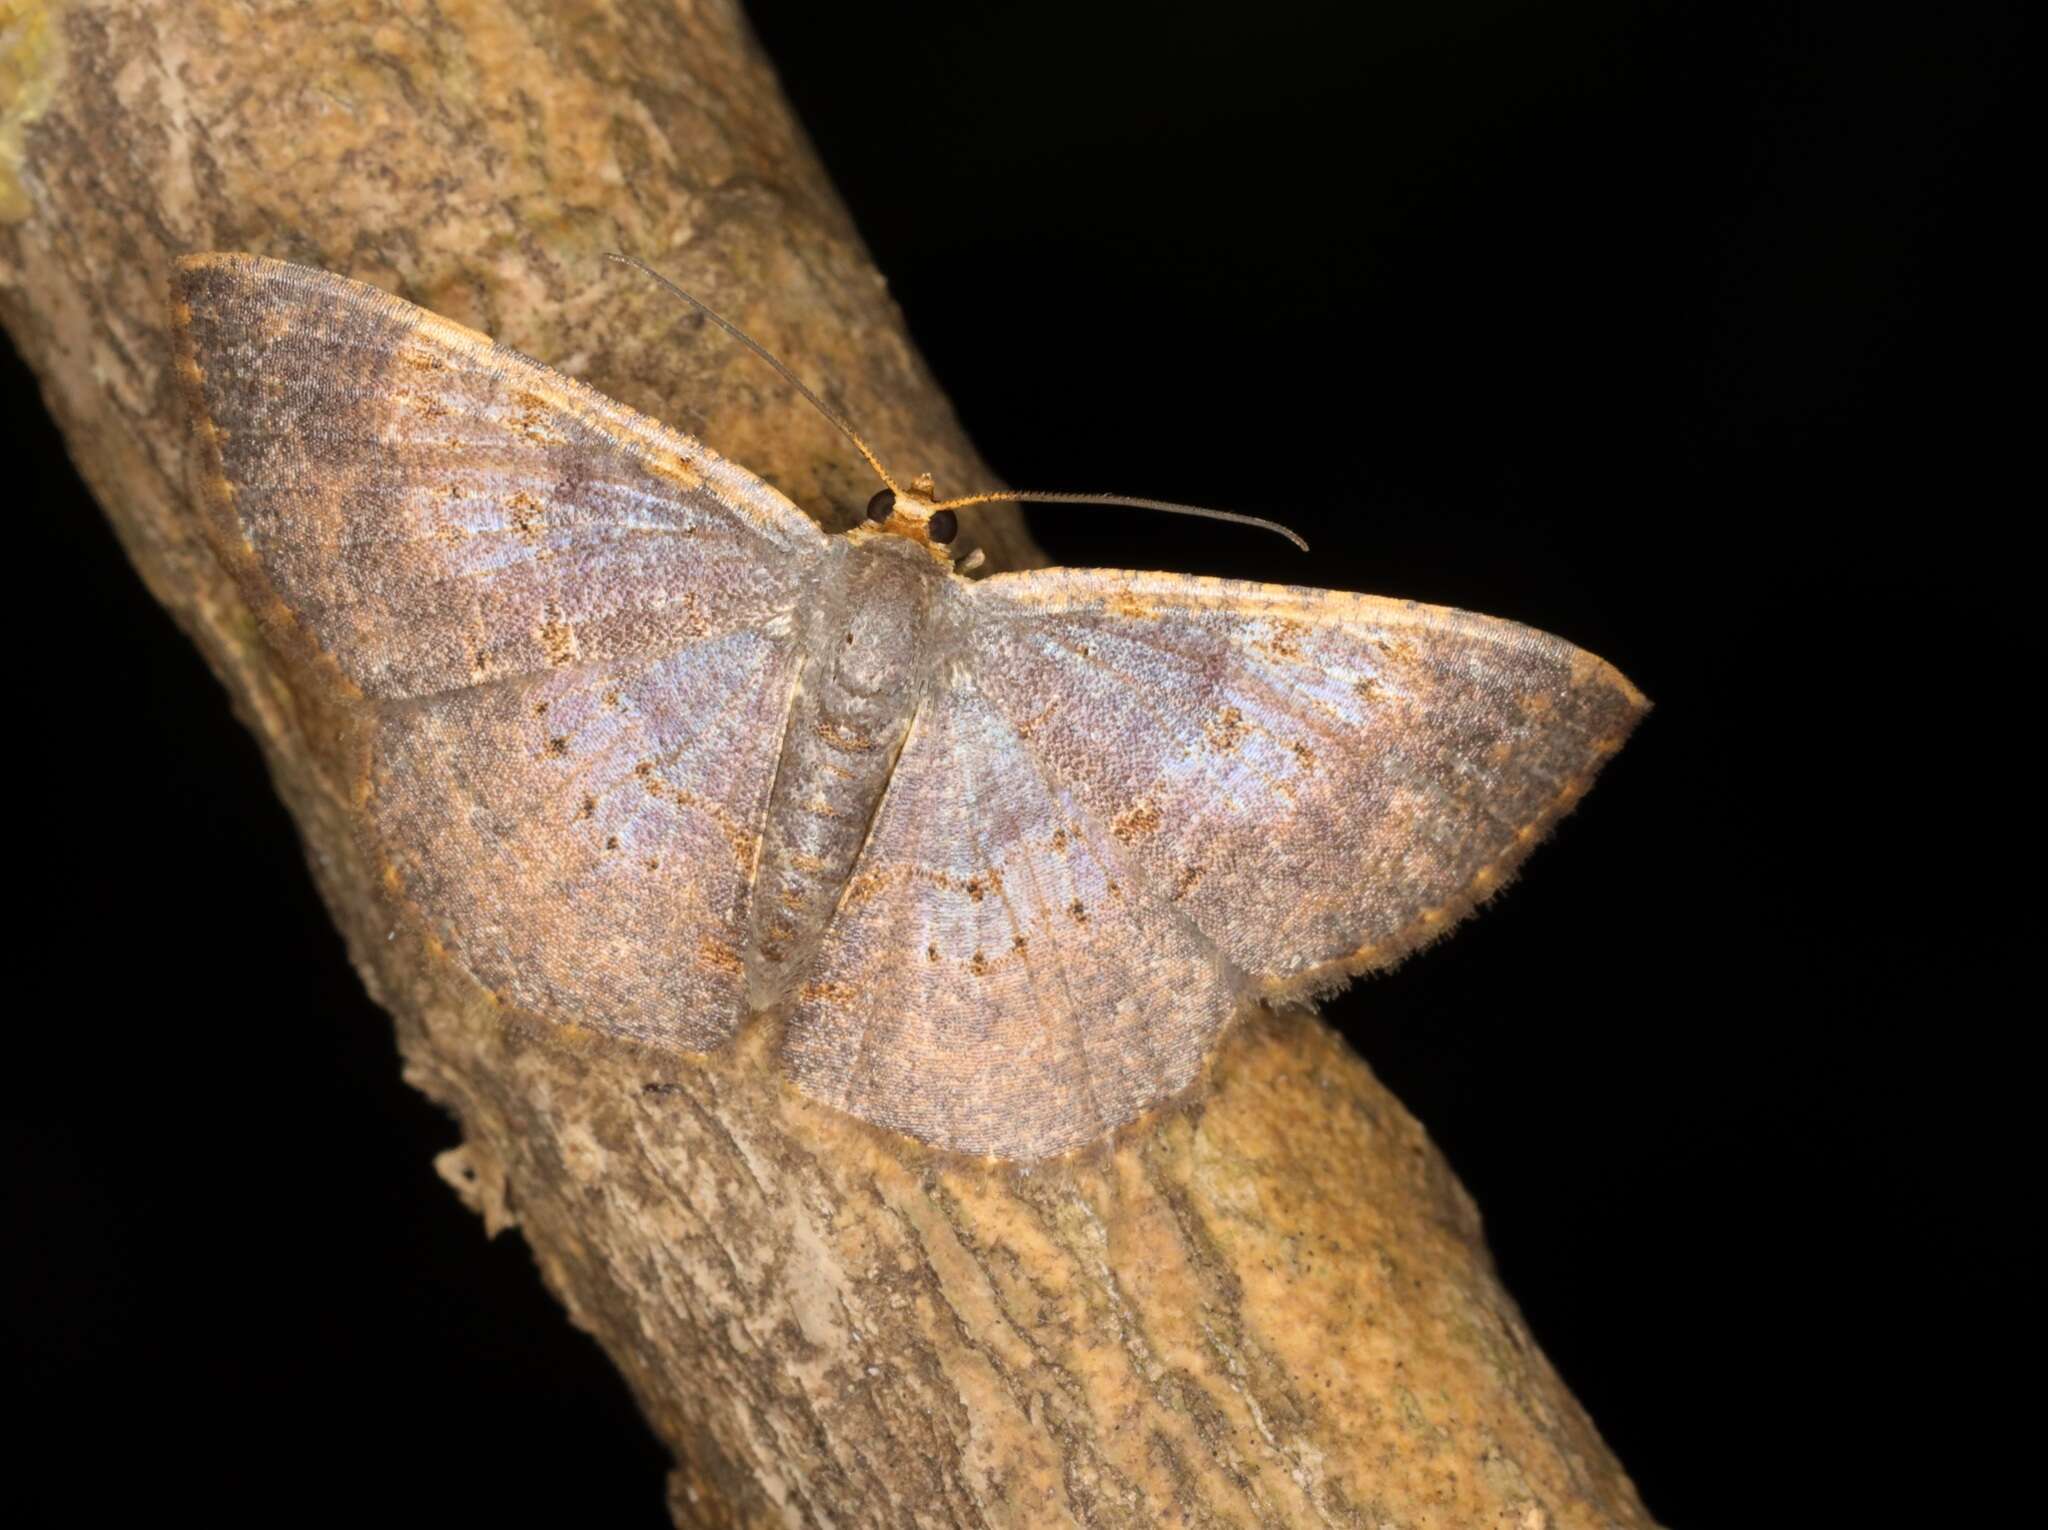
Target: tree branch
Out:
[1269,1304]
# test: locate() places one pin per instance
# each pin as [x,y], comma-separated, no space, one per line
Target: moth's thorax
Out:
[887,609]
[869,654]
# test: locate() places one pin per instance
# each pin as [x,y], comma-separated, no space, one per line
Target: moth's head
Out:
[910,514]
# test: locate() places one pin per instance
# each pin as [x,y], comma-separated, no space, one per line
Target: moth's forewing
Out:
[570,624]
[1318,781]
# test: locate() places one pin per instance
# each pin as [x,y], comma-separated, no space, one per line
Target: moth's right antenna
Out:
[787,376]
[1171,506]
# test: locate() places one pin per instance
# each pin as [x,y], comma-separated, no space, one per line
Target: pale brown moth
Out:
[652,753]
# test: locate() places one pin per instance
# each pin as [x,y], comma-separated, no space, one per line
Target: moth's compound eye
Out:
[880,506]
[943,526]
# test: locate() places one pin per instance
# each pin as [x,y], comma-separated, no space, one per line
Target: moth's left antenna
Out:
[787,376]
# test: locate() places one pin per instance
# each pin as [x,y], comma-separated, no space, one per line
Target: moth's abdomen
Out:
[866,662]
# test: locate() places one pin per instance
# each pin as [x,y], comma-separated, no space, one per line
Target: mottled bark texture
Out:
[1268,1306]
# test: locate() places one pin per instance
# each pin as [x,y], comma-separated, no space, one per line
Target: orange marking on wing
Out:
[1226,730]
[1135,822]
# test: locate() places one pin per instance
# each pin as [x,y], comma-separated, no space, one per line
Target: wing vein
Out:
[1071,1012]
[1099,840]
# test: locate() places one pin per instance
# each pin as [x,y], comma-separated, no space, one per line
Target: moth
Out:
[651,753]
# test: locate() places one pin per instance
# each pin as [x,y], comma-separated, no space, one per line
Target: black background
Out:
[1676,330]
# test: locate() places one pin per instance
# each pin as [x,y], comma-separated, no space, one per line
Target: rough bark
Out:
[1270,1304]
